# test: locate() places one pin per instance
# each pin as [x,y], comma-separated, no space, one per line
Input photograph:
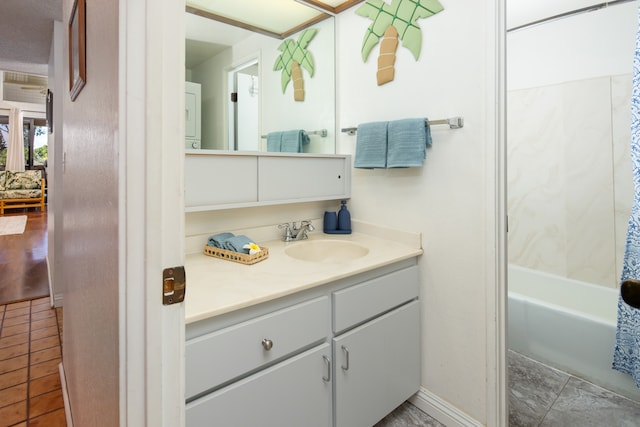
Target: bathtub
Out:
[567,324]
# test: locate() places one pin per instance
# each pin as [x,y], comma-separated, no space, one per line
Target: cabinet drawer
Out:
[222,355]
[296,392]
[359,303]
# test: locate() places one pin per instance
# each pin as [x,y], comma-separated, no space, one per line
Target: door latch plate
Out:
[173,285]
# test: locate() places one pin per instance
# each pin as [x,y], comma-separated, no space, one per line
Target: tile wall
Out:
[569,177]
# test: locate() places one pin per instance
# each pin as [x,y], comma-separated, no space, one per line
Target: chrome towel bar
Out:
[453,122]
[322,132]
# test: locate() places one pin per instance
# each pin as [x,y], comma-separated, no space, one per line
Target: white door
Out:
[151,121]
[243,106]
[247,112]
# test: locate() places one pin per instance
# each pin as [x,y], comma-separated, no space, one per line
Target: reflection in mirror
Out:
[233,63]
[244,107]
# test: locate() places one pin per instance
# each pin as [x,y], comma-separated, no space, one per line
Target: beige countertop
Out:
[216,286]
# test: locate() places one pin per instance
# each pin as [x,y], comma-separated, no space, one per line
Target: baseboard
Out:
[442,410]
[65,396]
[52,302]
[57,300]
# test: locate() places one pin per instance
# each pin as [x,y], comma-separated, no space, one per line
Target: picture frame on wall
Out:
[50,110]
[77,49]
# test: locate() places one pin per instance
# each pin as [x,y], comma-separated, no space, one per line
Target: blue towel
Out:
[292,141]
[371,146]
[217,240]
[236,244]
[274,141]
[408,142]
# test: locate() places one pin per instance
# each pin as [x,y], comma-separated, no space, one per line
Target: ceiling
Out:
[26,28]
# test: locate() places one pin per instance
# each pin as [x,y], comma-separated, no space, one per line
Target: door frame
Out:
[151,227]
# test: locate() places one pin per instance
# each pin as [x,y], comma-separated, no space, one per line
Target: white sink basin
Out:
[326,251]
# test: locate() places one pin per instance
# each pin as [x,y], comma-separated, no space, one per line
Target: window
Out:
[34,133]
[4,139]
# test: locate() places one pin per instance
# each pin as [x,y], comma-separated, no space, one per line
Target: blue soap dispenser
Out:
[344,218]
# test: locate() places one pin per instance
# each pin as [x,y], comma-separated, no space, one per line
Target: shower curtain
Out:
[15,148]
[626,356]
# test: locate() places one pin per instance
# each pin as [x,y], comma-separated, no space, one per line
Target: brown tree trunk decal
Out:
[387,55]
[298,83]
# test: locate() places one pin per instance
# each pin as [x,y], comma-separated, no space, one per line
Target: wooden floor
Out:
[30,330]
[23,265]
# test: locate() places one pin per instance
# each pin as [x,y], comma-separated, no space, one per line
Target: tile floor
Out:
[407,415]
[30,352]
[540,396]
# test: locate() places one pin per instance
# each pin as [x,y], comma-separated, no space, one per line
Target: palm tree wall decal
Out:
[295,55]
[390,22]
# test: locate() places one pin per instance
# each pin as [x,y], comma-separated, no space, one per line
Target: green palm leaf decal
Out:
[295,51]
[402,14]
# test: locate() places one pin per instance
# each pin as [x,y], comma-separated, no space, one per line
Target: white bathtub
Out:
[566,324]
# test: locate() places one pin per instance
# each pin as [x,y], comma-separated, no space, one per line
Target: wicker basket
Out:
[237,256]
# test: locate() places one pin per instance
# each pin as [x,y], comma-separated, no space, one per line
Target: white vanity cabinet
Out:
[376,347]
[344,353]
[377,367]
[270,370]
[295,392]
[222,180]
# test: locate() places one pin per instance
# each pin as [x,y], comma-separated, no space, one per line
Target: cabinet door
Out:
[302,178]
[218,180]
[296,392]
[377,367]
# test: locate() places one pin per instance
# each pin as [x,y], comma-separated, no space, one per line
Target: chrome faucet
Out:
[291,232]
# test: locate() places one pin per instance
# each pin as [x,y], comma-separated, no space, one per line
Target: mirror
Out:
[227,60]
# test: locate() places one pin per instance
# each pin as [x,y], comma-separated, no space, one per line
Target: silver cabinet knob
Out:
[267,344]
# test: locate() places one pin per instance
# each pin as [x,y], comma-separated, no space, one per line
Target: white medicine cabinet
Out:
[222,180]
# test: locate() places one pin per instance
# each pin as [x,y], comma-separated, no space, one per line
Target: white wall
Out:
[588,45]
[55,195]
[90,210]
[449,200]
[522,12]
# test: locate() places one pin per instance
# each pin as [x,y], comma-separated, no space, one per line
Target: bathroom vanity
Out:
[304,342]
